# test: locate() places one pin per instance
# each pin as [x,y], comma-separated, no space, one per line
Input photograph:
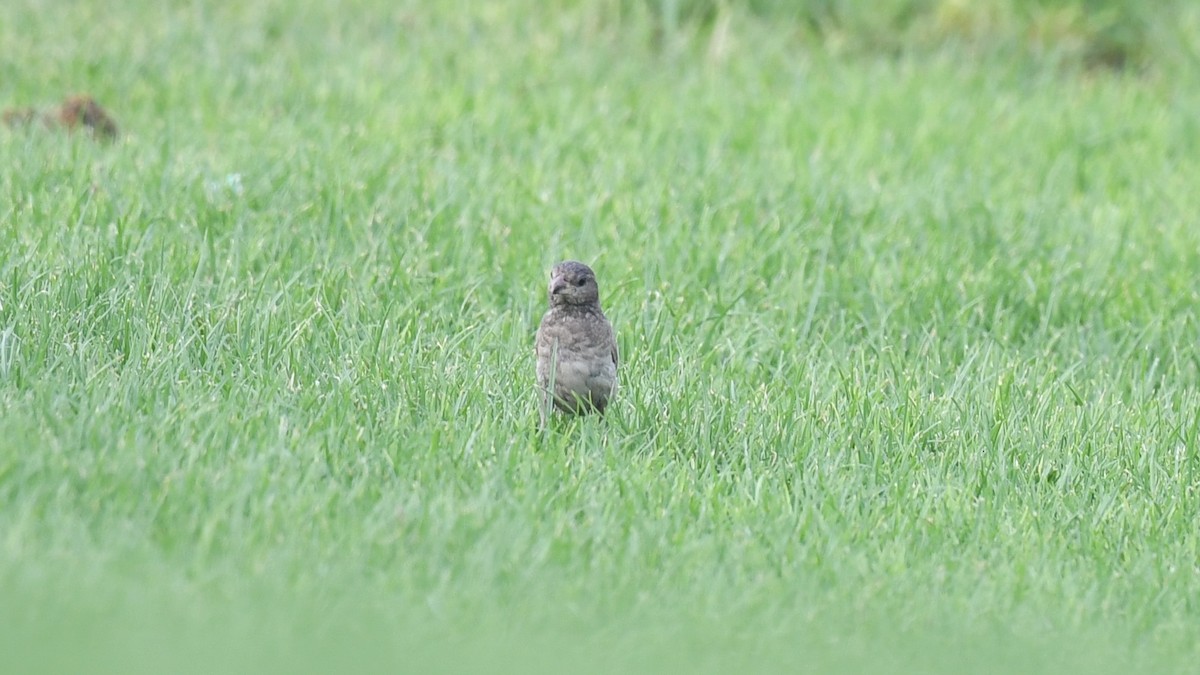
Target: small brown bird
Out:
[75,112]
[84,111]
[576,349]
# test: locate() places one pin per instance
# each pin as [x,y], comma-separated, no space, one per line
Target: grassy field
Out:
[910,378]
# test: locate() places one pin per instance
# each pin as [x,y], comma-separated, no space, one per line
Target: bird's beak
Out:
[557,285]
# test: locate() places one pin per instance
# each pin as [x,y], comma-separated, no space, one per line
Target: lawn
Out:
[908,323]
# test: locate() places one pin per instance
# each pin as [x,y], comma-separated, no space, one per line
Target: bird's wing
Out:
[612,339]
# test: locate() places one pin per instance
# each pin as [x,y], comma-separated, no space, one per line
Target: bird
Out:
[84,111]
[75,112]
[576,348]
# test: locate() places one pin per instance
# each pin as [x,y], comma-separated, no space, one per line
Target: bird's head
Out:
[573,283]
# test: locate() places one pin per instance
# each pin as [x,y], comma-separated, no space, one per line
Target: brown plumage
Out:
[75,112]
[84,111]
[576,349]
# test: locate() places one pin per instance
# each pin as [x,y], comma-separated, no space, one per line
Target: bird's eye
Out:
[580,281]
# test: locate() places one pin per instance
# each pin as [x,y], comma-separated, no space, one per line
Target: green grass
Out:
[909,380]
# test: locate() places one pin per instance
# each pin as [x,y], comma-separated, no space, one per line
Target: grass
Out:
[909,378]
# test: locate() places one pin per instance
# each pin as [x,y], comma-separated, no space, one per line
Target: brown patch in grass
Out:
[74,112]
[85,111]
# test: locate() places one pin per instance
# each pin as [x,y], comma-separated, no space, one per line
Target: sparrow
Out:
[576,349]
